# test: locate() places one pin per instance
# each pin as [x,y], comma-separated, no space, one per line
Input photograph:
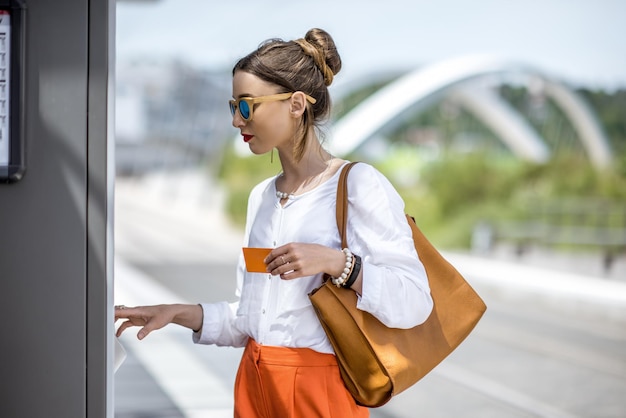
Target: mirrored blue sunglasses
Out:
[246,104]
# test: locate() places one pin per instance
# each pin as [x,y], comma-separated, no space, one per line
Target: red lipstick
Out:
[246,137]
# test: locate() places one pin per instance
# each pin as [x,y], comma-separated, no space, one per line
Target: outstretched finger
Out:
[147,329]
[121,311]
[122,328]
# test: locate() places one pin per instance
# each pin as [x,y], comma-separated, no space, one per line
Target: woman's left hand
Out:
[295,260]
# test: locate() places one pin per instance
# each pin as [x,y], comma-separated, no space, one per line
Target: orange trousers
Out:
[282,382]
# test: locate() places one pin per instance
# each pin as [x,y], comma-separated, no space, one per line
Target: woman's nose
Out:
[238,120]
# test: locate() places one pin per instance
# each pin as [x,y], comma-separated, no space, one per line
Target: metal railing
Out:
[592,224]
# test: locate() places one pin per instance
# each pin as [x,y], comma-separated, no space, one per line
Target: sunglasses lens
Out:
[232,108]
[244,109]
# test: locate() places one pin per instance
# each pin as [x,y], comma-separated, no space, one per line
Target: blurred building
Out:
[169,115]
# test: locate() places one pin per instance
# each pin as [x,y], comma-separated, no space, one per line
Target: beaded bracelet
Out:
[356,268]
[338,281]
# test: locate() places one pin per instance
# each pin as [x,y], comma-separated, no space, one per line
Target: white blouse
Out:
[278,312]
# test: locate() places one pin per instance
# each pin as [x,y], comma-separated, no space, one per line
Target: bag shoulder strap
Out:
[342,203]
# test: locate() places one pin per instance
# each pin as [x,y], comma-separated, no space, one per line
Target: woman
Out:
[280,97]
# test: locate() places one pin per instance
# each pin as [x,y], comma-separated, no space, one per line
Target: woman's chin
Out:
[258,151]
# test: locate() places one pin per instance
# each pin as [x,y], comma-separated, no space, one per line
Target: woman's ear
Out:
[298,104]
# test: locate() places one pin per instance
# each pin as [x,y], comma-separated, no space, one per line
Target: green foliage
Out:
[465,189]
[239,175]
[611,110]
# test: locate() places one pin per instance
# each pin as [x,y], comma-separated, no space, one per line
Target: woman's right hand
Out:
[151,318]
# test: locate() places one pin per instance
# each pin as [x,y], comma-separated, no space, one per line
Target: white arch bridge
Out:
[468,81]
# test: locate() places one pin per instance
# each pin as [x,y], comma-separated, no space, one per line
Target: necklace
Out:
[284,195]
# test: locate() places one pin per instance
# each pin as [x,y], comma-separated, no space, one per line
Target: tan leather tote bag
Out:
[377,362]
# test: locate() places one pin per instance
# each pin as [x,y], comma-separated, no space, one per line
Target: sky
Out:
[581,42]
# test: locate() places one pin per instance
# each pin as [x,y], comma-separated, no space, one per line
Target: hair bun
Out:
[320,45]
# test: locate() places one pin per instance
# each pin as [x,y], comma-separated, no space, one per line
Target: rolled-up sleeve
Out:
[395,285]
[219,320]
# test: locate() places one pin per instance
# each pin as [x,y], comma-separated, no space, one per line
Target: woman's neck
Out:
[314,161]
[305,174]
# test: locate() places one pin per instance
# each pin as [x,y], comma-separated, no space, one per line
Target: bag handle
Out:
[342,203]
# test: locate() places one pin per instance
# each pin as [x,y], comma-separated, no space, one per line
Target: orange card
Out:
[254,259]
